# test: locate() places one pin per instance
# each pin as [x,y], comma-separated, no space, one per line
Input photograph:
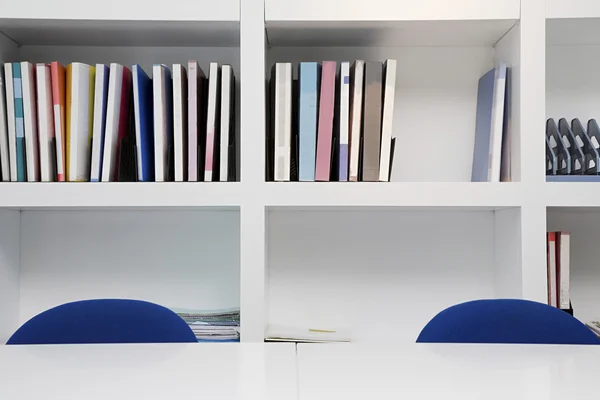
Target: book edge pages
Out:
[158,97]
[97,125]
[497,124]
[32,158]
[45,120]
[564,252]
[356,120]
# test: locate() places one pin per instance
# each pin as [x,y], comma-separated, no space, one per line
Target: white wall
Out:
[186,259]
[384,274]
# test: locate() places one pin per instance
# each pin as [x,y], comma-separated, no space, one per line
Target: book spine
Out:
[30,122]
[89,120]
[58,101]
[10,116]
[344,123]
[495,151]
[308,76]
[99,123]
[124,110]
[211,120]
[389,84]
[283,121]
[226,118]
[69,122]
[564,254]
[160,150]
[356,99]
[325,127]
[552,294]
[372,121]
[193,121]
[45,122]
[4,152]
[180,122]
[19,122]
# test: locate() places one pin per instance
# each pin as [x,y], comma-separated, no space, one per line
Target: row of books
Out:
[571,149]
[331,124]
[110,123]
[491,155]
[213,325]
[558,249]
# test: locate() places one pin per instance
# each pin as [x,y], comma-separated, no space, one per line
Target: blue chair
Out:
[104,321]
[505,321]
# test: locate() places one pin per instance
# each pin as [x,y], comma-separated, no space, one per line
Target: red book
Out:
[58,77]
[325,126]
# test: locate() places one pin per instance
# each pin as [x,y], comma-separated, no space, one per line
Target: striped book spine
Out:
[19,122]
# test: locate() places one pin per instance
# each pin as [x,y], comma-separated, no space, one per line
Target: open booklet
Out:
[282,333]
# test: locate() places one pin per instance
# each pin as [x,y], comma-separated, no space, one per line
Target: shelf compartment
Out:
[583,223]
[384,273]
[435,107]
[184,259]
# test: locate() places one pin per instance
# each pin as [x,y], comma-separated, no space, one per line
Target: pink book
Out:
[325,126]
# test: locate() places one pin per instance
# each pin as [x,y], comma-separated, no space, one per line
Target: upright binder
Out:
[577,157]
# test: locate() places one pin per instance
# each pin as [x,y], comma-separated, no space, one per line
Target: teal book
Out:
[19,122]
[308,77]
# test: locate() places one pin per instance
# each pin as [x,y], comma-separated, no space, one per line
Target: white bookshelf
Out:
[380,258]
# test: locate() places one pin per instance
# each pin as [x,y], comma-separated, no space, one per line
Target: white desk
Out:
[149,372]
[447,371]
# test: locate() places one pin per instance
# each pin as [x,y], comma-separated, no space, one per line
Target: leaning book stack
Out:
[115,123]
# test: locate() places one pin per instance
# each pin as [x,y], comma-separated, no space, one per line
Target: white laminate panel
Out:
[447,371]
[148,371]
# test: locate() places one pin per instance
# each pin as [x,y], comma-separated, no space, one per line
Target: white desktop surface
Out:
[447,371]
[148,372]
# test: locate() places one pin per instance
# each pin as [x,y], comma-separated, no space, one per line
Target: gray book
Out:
[372,121]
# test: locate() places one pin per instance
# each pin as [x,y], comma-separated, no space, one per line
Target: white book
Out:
[389,88]
[79,143]
[564,295]
[10,116]
[45,115]
[113,117]
[180,122]
[227,88]
[30,121]
[357,76]
[283,121]
[162,94]
[99,122]
[4,148]
[495,158]
[344,121]
[212,120]
[195,112]
[552,293]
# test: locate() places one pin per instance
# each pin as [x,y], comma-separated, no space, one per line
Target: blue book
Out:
[144,128]
[483,127]
[19,122]
[308,78]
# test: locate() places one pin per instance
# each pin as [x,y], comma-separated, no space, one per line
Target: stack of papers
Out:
[594,326]
[282,333]
[213,325]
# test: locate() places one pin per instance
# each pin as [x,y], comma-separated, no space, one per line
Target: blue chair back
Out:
[104,321]
[506,321]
